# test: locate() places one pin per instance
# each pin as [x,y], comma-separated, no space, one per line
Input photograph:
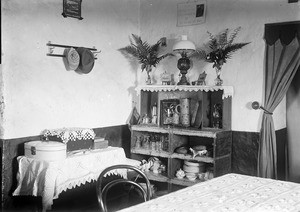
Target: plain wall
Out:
[39,93]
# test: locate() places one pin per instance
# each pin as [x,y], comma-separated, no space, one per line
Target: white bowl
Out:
[191,177]
[190,163]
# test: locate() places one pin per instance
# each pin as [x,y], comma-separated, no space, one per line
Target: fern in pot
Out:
[145,54]
[220,49]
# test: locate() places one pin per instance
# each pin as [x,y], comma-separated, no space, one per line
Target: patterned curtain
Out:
[282,60]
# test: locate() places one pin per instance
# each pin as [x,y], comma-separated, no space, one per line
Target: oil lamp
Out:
[184,47]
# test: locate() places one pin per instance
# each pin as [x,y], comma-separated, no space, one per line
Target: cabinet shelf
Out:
[190,131]
[205,132]
[160,177]
[206,128]
[150,152]
[149,128]
[189,157]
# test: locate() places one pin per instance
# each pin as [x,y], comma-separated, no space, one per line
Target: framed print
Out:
[191,13]
[167,111]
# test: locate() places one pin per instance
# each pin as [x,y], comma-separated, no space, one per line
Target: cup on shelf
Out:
[201,176]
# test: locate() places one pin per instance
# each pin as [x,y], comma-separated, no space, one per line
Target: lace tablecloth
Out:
[231,192]
[49,179]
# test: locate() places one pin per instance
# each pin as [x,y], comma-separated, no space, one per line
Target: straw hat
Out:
[86,62]
[71,59]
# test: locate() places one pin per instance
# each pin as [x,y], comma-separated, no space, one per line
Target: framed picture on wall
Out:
[191,13]
[72,8]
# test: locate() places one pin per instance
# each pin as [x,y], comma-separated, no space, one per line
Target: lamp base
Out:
[183,65]
[183,82]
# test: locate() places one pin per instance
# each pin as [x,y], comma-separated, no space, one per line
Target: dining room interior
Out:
[219,95]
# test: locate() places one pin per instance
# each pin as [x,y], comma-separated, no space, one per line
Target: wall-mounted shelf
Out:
[52,46]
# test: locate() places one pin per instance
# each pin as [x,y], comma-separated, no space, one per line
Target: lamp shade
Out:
[184,45]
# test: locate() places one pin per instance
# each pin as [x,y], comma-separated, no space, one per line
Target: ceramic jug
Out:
[176,118]
[183,108]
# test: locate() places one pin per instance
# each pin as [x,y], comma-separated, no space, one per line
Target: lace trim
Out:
[70,134]
[87,179]
[227,90]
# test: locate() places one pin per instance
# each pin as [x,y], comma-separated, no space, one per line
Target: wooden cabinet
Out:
[160,139]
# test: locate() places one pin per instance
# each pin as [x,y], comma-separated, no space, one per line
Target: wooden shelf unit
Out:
[217,140]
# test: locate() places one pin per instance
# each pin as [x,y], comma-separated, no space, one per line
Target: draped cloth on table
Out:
[282,59]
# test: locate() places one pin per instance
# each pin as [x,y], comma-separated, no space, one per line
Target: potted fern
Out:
[220,49]
[147,55]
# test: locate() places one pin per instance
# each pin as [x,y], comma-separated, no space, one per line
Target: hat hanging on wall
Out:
[71,59]
[86,62]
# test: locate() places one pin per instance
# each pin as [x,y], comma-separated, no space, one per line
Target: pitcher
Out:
[184,111]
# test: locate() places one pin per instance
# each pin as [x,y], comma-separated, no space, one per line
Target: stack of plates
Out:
[193,168]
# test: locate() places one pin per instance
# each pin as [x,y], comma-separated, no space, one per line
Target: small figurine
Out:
[201,78]
[165,78]
[200,153]
[146,119]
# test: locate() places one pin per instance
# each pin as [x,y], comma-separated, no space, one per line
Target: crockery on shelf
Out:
[181,150]
[180,174]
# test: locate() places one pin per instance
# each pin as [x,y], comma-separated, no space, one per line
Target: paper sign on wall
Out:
[191,13]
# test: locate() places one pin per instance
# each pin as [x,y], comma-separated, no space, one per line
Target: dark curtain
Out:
[282,60]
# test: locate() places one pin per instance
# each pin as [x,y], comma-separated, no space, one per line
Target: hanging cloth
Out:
[282,59]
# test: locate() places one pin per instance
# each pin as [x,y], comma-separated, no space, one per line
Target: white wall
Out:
[245,70]
[38,92]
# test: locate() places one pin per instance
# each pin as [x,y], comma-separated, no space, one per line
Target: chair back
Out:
[102,190]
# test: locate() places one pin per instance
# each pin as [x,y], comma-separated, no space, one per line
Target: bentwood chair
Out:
[103,190]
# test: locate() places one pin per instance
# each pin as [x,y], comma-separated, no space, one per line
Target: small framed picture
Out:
[72,8]
[167,110]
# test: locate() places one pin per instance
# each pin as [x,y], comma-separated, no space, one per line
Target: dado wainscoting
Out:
[244,155]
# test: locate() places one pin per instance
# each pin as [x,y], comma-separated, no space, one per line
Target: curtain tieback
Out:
[255,106]
[267,112]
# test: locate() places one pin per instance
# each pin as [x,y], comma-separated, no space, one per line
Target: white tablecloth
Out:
[231,192]
[49,179]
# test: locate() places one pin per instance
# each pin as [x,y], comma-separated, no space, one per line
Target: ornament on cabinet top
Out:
[165,78]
